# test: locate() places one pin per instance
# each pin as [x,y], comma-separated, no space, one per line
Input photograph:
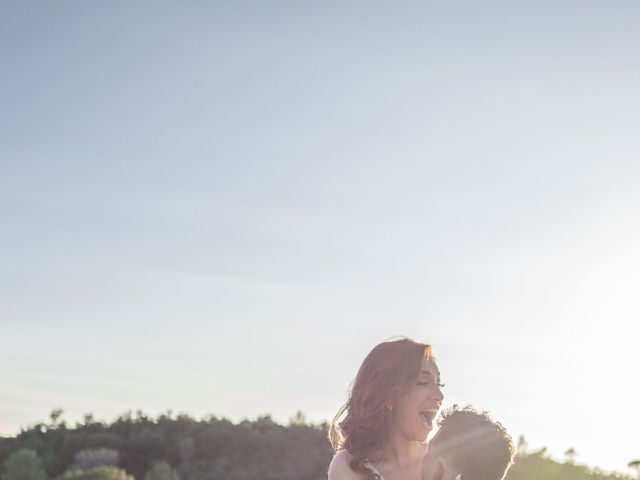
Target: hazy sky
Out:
[220,209]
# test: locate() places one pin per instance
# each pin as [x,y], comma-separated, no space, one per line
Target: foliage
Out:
[23,464]
[161,471]
[98,473]
[538,466]
[208,449]
[90,458]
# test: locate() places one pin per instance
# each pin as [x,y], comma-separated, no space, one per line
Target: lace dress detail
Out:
[368,466]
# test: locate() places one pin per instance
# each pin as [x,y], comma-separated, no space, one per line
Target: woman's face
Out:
[414,411]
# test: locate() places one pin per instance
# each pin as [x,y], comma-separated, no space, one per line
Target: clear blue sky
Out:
[221,208]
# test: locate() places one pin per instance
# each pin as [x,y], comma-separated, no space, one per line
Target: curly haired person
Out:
[468,446]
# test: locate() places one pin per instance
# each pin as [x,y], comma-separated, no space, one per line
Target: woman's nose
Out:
[438,394]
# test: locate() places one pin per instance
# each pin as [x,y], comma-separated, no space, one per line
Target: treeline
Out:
[138,447]
[208,449]
[539,466]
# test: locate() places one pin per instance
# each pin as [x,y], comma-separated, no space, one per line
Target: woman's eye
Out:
[440,384]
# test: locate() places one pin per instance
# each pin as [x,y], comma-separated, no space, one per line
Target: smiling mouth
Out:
[428,416]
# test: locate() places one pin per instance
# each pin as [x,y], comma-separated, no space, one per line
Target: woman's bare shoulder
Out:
[339,468]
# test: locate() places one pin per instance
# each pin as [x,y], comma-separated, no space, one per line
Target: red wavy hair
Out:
[387,372]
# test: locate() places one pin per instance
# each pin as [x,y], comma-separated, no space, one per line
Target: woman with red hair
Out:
[389,414]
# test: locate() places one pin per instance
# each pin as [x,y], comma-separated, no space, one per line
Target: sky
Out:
[220,208]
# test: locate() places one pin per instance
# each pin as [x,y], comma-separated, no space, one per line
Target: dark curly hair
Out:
[385,374]
[474,444]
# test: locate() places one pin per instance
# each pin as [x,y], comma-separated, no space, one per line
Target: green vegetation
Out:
[97,473]
[539,466]
[90,458]
[183,448]
[161,471]
[23,464]
[210,449]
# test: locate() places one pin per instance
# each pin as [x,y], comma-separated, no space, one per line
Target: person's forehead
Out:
[429,367]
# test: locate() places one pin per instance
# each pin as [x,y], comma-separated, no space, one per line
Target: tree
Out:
[635,464]
[185,449]
[197,450]
[23,464]
[161,471]
[298,419]
[522,445]
[90,458]
[570,455]
[56,418]
[98,473]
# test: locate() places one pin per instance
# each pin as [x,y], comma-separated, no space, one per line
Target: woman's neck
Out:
[400,452]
